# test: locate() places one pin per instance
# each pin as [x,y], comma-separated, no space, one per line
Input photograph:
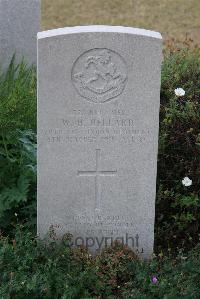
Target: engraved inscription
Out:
[97,174]
[99,125]
[99,75]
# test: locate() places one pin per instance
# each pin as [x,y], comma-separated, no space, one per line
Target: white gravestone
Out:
[98,121]
[19,24]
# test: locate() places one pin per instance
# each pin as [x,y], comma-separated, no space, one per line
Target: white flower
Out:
[179,92]
[15,214]
[186,182]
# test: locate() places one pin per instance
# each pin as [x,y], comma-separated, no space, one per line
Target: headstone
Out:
[19,24]
[98,120]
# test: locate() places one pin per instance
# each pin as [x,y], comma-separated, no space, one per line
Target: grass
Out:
[174,19]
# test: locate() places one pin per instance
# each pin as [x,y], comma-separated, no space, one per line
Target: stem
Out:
[5,146]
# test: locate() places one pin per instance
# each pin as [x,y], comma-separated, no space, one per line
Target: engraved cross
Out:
[97,173]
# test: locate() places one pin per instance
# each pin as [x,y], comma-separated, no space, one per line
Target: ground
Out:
[173,18]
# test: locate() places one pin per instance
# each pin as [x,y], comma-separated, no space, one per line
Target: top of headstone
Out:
[98,28]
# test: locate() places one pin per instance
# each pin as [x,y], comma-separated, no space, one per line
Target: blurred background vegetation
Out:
[174,19]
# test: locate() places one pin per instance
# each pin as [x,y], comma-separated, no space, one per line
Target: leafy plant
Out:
[29,268]
[17,176]
[17,98]
[177,207]
[17,145]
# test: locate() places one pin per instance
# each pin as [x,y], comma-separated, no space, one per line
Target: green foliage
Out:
[17,177]
[177,207]
[17,145]
[29,269]
[18,98]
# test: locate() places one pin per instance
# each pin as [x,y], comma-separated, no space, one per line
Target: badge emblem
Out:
[99,75]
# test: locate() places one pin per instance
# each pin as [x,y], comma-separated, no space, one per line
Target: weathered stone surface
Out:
[19,24]
[98,117]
